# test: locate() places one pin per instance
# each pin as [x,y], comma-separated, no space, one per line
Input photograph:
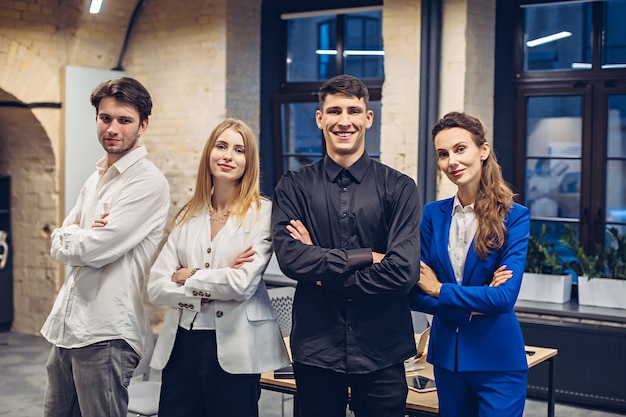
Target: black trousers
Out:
[324,393]
[195,385]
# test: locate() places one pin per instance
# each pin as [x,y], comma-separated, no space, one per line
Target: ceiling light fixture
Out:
[348,52]
[549,38]
[95,6]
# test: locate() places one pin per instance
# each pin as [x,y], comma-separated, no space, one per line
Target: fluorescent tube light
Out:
[349,52]
[549,38]
[95,6]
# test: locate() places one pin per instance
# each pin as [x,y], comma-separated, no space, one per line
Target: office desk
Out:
[425,404]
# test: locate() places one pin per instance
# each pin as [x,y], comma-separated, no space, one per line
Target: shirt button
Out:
[345,244]
[219,313]
[349,328]
[206,265]
[349,300]
[208,250]
[345,188]
[344,215]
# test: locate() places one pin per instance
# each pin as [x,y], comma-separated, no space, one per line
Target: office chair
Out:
[282,302]
[143,394]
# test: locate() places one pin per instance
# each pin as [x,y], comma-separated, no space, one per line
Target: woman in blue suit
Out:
[473,251]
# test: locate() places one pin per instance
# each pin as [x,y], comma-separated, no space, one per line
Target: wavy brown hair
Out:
[247,193]
[495,196]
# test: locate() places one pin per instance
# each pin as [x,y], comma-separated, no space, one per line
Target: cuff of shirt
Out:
[359,259]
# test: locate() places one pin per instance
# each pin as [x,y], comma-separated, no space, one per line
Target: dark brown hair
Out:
[125,89]
[343,84]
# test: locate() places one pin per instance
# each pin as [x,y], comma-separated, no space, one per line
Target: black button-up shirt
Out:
[359,319]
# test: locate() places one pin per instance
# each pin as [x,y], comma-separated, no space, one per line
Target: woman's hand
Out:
[428,281]
[242,258]
[500,276]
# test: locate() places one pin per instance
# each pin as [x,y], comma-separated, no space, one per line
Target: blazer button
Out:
[181,305]
[191,306]
[195,293]
[206,265]
[208,250]
[219,313]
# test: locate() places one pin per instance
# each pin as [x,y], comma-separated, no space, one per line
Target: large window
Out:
[319,46]
[571,91]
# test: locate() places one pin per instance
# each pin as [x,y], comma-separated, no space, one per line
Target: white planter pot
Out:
[602,292]
[546,288]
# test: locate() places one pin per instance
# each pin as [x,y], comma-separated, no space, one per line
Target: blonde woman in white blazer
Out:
[220,331]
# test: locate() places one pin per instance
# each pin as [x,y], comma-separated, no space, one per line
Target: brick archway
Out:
[26,155]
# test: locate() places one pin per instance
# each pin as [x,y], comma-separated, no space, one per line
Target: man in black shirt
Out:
[347,229]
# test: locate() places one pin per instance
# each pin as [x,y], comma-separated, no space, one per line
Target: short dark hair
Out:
[343,84]
[125,89]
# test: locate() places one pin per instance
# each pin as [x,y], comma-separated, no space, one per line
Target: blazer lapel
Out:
[441,237]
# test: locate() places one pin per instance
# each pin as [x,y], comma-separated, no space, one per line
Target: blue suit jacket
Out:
[489,342]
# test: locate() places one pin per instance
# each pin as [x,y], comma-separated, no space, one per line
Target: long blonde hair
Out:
[247,193]
[495,197]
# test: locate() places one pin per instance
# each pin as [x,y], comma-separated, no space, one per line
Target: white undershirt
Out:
[462,230]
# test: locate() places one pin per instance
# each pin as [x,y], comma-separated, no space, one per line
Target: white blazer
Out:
[248,337]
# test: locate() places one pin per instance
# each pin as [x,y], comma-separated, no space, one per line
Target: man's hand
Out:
[297,231]
[101,222]
[242,258]
[377,257]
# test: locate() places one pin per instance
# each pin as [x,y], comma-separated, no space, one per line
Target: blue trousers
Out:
[91,381]
[481,394]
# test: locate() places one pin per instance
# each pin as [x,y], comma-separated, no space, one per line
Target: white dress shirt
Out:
[462,231]
[101,298]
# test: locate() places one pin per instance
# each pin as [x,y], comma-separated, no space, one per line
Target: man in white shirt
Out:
[109,241]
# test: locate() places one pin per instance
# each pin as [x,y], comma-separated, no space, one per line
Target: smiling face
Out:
[460,158]
[228,157]
[119,127]
[343,120]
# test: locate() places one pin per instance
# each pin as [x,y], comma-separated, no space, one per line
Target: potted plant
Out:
[544,278]
[602,275]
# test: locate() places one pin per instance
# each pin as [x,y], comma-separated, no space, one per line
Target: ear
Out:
[485,150]
[370,119]
[143,126]
[318,118]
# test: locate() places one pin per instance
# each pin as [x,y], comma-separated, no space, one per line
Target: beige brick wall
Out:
[400,93]
[467,65]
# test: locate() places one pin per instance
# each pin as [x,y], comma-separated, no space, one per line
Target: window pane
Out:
[311,48]
[616,138]
[557,37]
[614,47]
[616,160]
[364,45]
[553,149]
[302,140]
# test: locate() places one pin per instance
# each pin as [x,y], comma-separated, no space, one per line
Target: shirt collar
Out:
[125,161]
[357,170]
[457,207]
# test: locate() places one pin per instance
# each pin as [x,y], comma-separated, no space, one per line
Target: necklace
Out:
[217,218]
